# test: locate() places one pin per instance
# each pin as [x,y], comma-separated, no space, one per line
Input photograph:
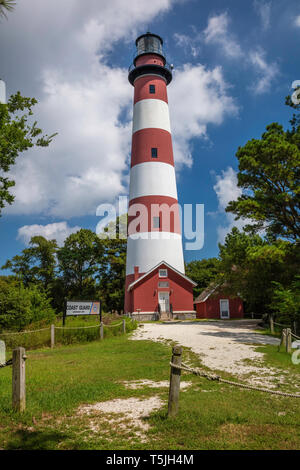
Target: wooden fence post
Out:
[52,336]
[101,331]
[295,327]
[124,326]
[18,380]
[174,382]
[288,340]
[272,324]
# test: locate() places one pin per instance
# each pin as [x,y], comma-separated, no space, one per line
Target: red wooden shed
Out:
[213,303]
[163,289]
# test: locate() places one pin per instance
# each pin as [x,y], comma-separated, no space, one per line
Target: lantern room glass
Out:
[149,43]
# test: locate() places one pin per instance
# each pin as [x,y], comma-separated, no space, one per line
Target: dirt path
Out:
[222,346]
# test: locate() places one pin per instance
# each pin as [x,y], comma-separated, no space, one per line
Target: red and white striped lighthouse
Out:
[154,244]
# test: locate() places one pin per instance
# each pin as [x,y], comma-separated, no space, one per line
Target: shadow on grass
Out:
[23,439]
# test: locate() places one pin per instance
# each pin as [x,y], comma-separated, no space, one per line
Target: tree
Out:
[6,5]
[203,272]
[286,301]
[16,136]
[269,172]
[78,262]
[112,274]
[20,306]
[250,265]
[36,264]
[112,271]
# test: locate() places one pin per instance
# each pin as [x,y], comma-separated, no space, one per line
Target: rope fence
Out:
[217,378]
[297,337]
[24,332]
[112,326]
[75,327]
[280,324]
[177,366]
[7,363]
[66,334]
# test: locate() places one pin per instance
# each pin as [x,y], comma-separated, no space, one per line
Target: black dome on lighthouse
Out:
[149,43]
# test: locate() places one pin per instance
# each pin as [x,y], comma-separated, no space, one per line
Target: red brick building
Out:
[213,303]
[162,291]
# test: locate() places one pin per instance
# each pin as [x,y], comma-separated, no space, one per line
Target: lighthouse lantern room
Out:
[156,285]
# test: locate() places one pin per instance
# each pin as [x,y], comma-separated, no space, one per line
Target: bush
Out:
[20,306]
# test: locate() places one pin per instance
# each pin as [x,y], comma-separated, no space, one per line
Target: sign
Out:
[82,307]
[2,352]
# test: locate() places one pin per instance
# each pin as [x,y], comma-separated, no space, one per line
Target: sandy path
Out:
[221,345]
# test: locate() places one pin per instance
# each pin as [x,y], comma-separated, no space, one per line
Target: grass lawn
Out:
[211,416]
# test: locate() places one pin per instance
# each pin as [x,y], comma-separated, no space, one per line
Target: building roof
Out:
[206,293]
[213,288]
[133,284]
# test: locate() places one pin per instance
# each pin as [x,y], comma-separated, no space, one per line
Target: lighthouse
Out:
[156,285]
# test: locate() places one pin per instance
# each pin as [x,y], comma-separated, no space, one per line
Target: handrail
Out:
[166,66]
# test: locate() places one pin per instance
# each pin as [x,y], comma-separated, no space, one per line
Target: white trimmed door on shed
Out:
[224,308]
[163,298]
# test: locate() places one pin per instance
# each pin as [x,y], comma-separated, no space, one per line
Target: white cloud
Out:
[80,95]
[189,44]
[217,32]
[266,71]
[198,97]
[227,190]
[263,10]
[297,21]
[58,231]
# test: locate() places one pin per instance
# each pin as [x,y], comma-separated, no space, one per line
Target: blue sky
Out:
[234,63]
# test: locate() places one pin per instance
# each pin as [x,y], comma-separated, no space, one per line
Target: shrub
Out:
[20,306]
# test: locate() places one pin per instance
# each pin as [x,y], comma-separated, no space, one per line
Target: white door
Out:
[224,308]
[163,298]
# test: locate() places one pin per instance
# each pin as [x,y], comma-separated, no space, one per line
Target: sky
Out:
[234,63]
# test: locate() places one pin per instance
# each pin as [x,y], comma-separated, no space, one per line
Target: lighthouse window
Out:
[156,222]
[154,152]
[152,89]
[163,273]
[163,284]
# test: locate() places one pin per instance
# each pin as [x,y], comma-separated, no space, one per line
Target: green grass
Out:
[211,415]
[37,339]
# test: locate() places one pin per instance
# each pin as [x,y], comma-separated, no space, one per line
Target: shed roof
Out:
[206,293]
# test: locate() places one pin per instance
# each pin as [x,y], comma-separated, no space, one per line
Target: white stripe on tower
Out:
[167,247]
[151,179]
[150,113]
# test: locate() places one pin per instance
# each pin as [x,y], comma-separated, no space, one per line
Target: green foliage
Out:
[20,306]
[269,173]
[203,272]
[78,262]
[37,263]
[16,135]
[113,267]
[249,265]
[286,301]
[112,274]
[5,6]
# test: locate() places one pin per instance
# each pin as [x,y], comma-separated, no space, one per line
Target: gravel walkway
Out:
[222,346]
